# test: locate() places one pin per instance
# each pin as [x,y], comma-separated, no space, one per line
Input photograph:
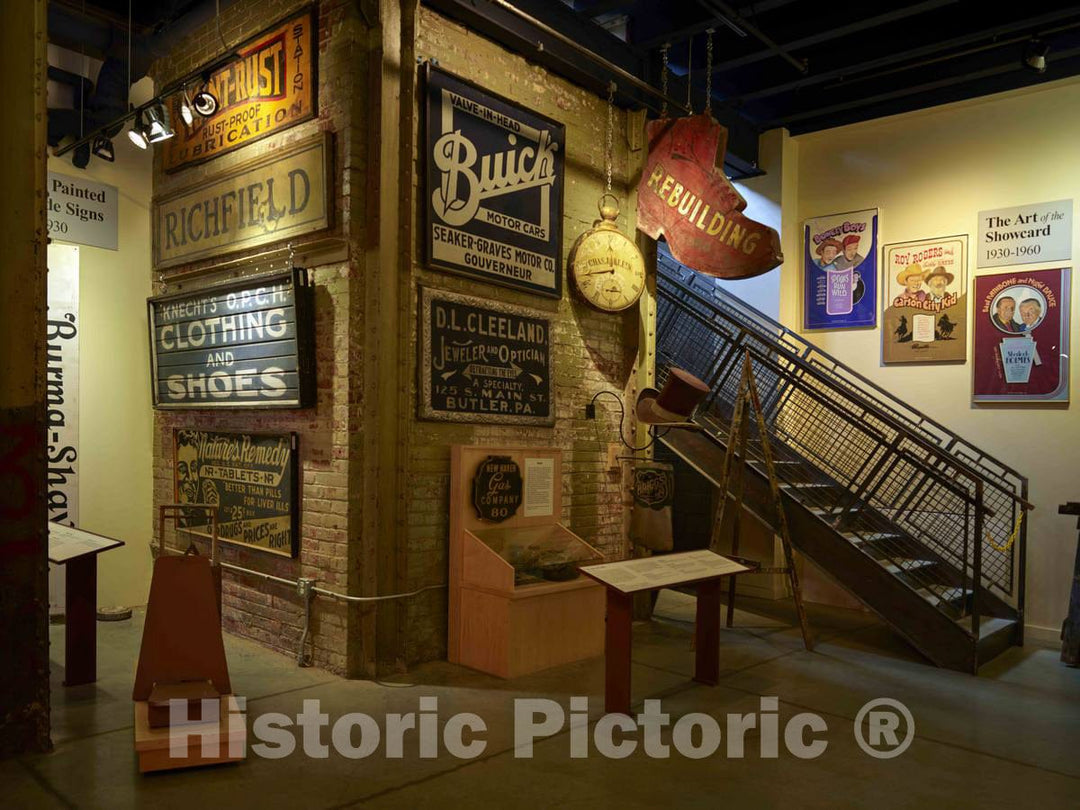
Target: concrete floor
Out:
[1007,738]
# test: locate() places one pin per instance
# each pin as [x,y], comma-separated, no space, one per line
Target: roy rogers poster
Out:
[1021,345]
[251,479]
[268,87]
[924,316]
[483,361]
[494,185]
[840,270]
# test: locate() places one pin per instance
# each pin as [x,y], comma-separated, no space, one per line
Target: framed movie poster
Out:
[483,362]
[1021,347]
[251,478]
[924,315]
[494,176]
[840,270]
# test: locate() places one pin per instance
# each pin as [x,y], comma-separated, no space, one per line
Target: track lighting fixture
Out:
[159,123]
[1035,52]
[137,133]
[205,103]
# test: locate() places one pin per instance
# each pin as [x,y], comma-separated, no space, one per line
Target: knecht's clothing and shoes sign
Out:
[243,345]
[495,173]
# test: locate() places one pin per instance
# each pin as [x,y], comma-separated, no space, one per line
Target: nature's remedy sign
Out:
[1028,233]
[483,362]
[244,345]
[497,488]
[270,87]
[493,200]
[282,195]
[252,480]
[82,211]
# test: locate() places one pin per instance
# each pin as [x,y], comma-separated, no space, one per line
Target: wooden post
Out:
[619,627]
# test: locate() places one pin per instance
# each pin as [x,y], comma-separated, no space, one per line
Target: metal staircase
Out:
[906,515]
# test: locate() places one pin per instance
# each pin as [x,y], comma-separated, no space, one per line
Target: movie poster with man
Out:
[924,315]
[840,270]
[1021,346]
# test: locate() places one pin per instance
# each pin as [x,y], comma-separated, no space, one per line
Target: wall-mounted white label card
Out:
[539,496]
[1025,234]
[83,211]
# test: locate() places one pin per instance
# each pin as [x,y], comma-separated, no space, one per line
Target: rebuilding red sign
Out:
[685,197]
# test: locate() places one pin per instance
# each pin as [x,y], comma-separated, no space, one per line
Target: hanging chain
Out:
[708,72]
[610,129]
[690,77]
[663,78]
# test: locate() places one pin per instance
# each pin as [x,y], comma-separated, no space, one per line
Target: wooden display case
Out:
[517,601]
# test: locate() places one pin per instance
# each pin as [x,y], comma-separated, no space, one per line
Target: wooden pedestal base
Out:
[200,743]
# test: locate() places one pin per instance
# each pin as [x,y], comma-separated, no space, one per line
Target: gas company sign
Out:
[685,197]
[269,87]
[493,199]
[282,195]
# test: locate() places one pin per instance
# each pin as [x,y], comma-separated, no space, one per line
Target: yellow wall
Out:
[930,173]
[115,416]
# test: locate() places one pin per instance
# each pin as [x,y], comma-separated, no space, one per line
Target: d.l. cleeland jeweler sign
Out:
[494,185]
[283,195]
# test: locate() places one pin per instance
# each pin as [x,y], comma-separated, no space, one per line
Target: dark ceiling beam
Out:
[752,9]
[676,35]
[602,7]
[1032,24]
[726,13]
[837,32]
[972,76]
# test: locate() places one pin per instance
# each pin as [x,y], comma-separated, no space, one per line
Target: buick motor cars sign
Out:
[494,185]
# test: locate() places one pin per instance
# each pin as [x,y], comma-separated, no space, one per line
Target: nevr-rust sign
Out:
[243,345]
[483,362]
[270,86]
[252,480]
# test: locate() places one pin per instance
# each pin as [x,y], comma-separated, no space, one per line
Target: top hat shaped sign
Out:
[674,404]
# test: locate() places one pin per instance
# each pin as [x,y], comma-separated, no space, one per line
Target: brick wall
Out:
[592,351]
[265,611]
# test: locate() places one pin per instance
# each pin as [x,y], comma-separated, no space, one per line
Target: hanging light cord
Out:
[690,76]
[708,71]
[664,78]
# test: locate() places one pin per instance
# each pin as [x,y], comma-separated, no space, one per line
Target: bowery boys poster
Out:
[1021,347]
[840,270]
[924,317]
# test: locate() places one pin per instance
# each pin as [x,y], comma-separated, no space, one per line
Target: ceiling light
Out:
[205,103]
[186,112]
[103,148]
[137,133]
[1035,52]
[159,123]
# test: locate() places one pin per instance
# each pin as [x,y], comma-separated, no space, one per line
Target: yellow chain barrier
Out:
[1011,538]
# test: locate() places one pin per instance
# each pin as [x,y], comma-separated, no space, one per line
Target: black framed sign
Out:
[253,480]
[494,187]
[483,362]
[497,488]
[248,344]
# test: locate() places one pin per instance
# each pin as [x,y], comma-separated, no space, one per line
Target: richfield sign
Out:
[685,197]
[281,196]
[493,201]
[268,88]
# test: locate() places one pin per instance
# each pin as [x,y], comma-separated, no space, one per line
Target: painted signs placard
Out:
[494,185]
[1021,346]
[497,488]
[924,319]
[283,195]
[269,88]
[483,362]
[685,197]
[1025,234]
[251,478]
[83,211]
[248,344]
[840,270]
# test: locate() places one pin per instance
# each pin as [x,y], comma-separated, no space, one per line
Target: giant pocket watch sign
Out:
[494,176]
[606,265]
[483,362]
[248,344]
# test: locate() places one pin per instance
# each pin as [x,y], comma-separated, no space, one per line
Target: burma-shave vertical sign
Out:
[253,481]
[493,199]
[249,344]
[483,362]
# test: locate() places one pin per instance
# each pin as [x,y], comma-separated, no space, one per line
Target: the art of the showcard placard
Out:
[493,199]
[483,362]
